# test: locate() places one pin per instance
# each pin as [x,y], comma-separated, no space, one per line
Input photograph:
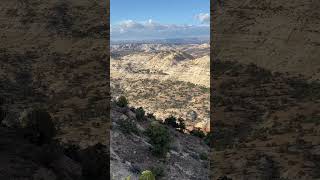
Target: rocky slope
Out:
[265,115]
[54,56]
[265,123]
[131,152]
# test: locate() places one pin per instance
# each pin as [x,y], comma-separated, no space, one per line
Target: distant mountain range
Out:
[165,41]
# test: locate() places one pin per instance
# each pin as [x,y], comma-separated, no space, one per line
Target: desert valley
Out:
[164,79]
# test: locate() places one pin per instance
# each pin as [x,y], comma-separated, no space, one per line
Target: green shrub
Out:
[171,121]
[122,101]
[128,126]
[151,116]
[159,139]
[182,125]
[312,119]
[147,175]
[208,139]
[158,171]
[203,156]
[140,113]
[197,132]
[301,88]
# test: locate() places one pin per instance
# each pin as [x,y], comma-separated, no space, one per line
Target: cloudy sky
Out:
[159,19]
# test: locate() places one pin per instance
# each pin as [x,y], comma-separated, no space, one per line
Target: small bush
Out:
[147,175]
[140,113]
[203,156]
[171,121]
[128,126]
[122,101]
[182,125]
[158,171]
[151,116]
[197,132]
[159,139]
[208,139]
[312,119]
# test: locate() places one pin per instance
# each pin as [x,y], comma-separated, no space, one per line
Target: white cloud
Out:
[129,24]
[203,18]
[130,29]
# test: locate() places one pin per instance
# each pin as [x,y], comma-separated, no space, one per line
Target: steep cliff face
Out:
[54,56]
[281,35]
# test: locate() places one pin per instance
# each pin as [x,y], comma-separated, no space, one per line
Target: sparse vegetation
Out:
[203,156]
[182,125]
[159,139]
[197,132]
[151,116]
[147,175]
[301,88]
[312,119]
[122,101]
[140,113]
[208,139]
[171,121]
[128,126]
[158,171]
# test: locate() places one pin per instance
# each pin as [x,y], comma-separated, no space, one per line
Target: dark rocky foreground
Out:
[266,124]
[265,116]
[21,159]
[53,56]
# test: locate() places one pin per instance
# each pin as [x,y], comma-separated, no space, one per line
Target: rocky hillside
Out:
[139,142]
[281,35]
[173,80]
[266,124]
[265,115]
[54,57]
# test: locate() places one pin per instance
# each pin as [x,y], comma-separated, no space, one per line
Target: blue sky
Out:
[159,19]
